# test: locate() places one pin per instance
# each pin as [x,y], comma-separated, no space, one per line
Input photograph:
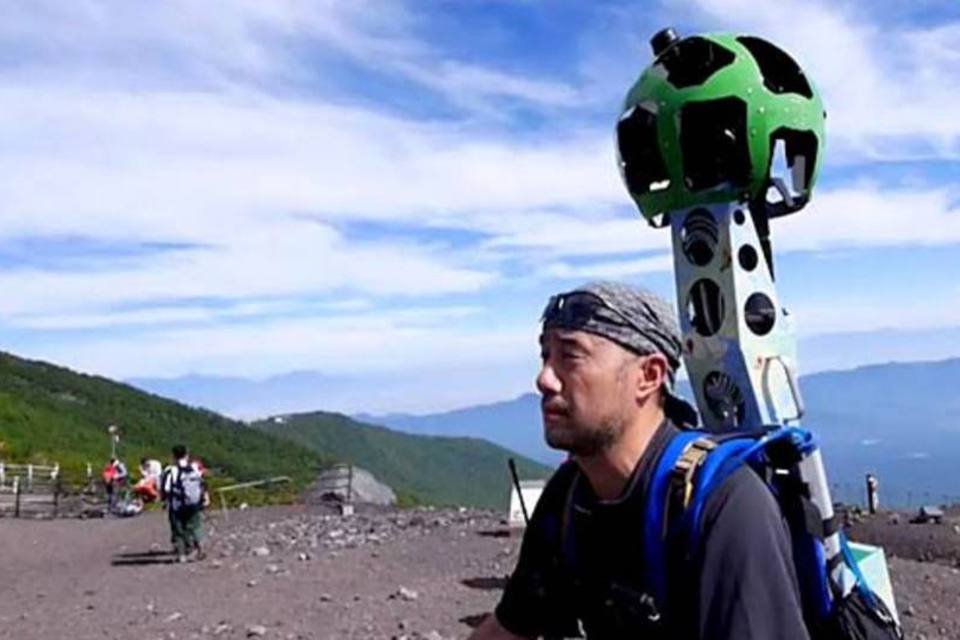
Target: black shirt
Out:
[740,584]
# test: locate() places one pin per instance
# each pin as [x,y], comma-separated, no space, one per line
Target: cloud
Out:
[612,269]
[285,258]
[381,341]
[868,215]
[237,135]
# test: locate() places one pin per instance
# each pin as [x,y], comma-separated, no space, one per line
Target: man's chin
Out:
[558,438]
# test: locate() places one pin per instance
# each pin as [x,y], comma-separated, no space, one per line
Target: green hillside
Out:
[51,414]
[435,470]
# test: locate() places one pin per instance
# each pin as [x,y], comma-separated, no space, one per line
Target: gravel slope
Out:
[299,573]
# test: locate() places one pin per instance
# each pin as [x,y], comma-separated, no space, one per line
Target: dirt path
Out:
[88,579]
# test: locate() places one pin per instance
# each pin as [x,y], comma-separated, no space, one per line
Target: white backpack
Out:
[187,489]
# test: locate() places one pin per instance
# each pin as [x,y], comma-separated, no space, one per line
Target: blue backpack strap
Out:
[729,456]
[730,453]
[655,517]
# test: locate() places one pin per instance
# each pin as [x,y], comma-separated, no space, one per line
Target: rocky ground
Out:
[924,562]
[303,572]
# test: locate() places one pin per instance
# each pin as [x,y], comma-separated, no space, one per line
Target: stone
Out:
[256,631]
[261,552]
[406,594]
[173,617]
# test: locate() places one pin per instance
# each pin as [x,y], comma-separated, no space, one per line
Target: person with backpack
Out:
[183,489]
[610,353]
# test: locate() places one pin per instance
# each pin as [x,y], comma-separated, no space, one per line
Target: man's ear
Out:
[654,368]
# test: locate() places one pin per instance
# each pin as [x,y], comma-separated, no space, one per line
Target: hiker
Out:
[148,487]
[182,488]
[610,354]
[114,476]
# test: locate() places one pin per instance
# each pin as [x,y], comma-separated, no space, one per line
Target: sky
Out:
[389,191]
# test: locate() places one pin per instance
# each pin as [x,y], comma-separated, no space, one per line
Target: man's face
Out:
[587,388]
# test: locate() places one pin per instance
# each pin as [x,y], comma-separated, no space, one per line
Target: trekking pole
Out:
[516,484]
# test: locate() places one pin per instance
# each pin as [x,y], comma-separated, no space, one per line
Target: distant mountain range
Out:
[899,420]
[52,414]
[430,391]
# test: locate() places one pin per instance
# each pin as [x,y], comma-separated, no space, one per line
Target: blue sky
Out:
[392,189]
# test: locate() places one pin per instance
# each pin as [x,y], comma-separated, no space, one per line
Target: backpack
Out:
[838,604]
[188,487]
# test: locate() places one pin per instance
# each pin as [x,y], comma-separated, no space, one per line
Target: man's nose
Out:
[547,381]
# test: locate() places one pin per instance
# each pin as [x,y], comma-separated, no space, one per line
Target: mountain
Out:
[421,391]
[898,420]
[514,424]
[431,469]
[51,414]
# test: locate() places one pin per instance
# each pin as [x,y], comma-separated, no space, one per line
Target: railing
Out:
[30,487]
[246,485]
[30,473]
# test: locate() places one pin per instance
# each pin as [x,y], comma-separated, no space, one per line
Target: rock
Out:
[273,568]
[325,597]
[303,557]
[364,488]
[894,518]
[256,631]
[252,583]
[433,635]
[173,617]
[406,594]
[222,628]
[261,552]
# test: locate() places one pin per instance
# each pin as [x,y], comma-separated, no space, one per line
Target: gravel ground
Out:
[273,573]
[299,572]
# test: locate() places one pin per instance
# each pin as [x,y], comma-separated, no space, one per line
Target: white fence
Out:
[29,489]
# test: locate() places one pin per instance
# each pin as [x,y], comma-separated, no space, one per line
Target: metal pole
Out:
[16,492]
[56,497]
[350,483]
[516,483]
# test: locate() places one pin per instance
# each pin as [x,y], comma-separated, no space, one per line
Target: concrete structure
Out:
[530,491]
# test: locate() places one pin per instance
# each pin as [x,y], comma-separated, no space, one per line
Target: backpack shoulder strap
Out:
[657,516]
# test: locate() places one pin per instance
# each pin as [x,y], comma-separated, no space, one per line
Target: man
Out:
[183,490]
[114,476]
[610,353]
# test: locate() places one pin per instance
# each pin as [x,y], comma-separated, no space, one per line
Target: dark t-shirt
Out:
[739,585]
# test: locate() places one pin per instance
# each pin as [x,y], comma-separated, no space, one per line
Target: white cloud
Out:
[379,342]
[286,258]
[867,215]
[612,269]
[875,313]
[154,122]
